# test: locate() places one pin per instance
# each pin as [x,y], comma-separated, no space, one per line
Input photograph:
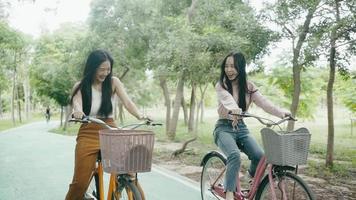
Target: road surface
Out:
[38,165]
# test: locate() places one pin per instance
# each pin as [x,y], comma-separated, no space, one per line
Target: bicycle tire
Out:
[299,190]
[128,191]
[93,191]
[138,185]
[213,166]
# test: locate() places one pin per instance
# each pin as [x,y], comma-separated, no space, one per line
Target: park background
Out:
[301,55]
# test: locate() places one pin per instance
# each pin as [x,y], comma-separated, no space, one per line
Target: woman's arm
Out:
[262,102]
[226,99]
[121,93]
[77,103]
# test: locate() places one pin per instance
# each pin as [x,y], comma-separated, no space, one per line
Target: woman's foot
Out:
[229,196]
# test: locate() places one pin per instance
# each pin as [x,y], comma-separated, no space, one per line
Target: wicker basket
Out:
[126,151]
[287,148]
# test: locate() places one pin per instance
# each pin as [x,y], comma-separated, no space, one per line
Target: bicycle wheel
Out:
[138,185]
[212,177]
[127,190]
[287,183]
[92,192]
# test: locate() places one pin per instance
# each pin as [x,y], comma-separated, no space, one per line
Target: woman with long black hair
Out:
[235,94]
[93,96]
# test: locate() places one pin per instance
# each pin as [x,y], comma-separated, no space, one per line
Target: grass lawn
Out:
[6,123]
[344,142]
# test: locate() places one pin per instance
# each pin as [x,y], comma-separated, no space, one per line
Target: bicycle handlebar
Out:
[262,120]
[87,119]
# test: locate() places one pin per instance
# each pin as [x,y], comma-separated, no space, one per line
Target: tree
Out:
[287,15]
[339,30]
[13,48]
[57,61]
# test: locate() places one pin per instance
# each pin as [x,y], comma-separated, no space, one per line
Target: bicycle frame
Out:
[261,168]
[259,175]
[112,183]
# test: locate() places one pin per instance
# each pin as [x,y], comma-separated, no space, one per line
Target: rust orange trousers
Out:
[86,152]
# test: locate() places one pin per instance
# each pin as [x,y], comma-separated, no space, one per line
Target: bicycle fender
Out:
[284,168]
[212,153]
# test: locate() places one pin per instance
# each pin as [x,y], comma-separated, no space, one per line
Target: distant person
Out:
[48,114]
[235,93]
[93,96]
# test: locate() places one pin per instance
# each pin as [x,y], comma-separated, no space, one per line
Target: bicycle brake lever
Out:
[292,118]
[78,120]
[156,124]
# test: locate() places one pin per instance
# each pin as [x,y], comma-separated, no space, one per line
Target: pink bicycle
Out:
[276,175]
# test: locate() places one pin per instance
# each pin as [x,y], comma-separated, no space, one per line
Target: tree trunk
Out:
[177,103]
[203,92]
[296,93]
[192,110]
[0,105]
[297,67]
[18,104]
[197,116]
[329,95]
[26,89]
[13,92]
[61,116]
[167,101]
[185,110]
[68,109]
[191,10]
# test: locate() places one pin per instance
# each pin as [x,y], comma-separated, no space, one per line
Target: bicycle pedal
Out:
[245,191]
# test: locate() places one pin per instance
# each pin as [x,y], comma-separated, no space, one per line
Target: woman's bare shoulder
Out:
[251,86]
[116,84]
[76,85]
[115,81]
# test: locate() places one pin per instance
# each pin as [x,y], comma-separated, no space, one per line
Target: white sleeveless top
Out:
[96,102]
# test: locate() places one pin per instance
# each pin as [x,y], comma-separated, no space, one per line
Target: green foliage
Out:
[277,86]
[345,89]
[57,60]
[196,47]
[318,169]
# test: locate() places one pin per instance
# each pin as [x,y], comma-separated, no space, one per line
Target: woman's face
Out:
[102,71]
[230,69]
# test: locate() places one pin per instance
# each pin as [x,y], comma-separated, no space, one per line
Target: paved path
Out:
[38,165]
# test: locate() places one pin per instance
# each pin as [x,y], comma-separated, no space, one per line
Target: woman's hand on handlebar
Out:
[235,116]
[146,118]
[287,114]
[78,115]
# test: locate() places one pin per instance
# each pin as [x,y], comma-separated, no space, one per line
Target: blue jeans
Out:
[231,141]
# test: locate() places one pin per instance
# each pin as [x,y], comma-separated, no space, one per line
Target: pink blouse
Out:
[227,102]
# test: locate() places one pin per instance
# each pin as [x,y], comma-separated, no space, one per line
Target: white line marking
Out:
[177,177]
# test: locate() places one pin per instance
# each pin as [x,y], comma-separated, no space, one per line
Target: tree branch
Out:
[348,42]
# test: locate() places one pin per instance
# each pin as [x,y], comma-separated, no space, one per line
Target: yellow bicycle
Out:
[124,152]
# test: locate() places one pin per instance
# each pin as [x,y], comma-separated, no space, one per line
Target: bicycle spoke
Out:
[286,186]
[212,185]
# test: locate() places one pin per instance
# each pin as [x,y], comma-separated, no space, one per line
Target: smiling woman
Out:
[93,96]
[46,15]
[235,94]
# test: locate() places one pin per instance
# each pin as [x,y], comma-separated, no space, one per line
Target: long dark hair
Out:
[95,59]
[240,66]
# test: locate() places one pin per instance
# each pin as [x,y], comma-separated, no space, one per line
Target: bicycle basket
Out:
[126,151]
[286,148]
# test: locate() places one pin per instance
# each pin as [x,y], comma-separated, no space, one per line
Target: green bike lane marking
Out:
[36,165]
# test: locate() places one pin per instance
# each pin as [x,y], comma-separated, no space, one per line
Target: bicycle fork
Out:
[280,184]
[100,172]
